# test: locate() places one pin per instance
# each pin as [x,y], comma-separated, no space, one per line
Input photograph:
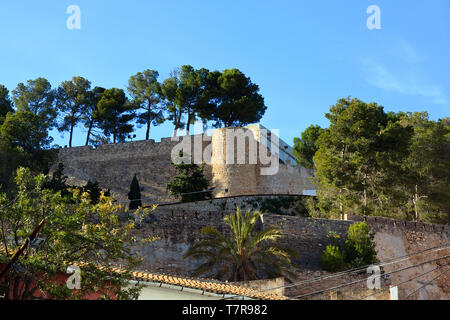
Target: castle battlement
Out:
[114,165]
[118,148]
[388,224]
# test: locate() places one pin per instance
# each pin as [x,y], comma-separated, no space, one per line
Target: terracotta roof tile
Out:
[207,285]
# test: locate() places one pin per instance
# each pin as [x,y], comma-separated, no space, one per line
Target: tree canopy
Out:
[26,131]
[145,92]
[116,114]
[71,98]
[90,116]
[6,104]
[76,233]
[227,98]
[237,99]
[185,92]
[305,147]
[37,97]
[371,162]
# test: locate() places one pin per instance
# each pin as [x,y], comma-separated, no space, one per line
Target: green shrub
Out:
[358,250]
[190,183]
[332,259]
[359,247]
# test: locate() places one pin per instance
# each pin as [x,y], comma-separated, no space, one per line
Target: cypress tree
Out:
[135,194]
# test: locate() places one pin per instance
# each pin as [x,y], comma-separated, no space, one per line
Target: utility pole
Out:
[21,250]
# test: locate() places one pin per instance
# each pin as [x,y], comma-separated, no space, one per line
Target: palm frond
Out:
[243,255]
[271,234]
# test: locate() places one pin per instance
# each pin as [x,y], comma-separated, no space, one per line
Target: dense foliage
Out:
[357,251]
[370,162]
[332,259]
[34,108]
[246,254]
[57,183]
[76,232]
[5,103]
[305,147]
[189,183]
[359,247]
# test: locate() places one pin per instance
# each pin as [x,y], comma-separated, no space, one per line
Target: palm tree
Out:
[247,255]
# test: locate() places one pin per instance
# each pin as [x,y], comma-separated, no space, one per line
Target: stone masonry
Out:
[114,165]
[178,229]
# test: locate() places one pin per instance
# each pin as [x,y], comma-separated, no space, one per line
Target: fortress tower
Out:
[239,161]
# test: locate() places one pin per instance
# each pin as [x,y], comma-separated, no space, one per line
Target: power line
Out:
[380,264]
[358,269]
[426,284]
[400,283]
[350,271]
[358,281]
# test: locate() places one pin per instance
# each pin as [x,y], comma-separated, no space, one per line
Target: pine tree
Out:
[189,182]
[135,194]
[115,113]
[6,104]
[358,159]
[305,147]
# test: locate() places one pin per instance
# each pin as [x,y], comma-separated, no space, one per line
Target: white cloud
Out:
[404,51]
[407,82]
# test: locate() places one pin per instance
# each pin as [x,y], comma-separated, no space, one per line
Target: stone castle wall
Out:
[261,173]
[290,205]
[114,165]
[396,238]
[178,229]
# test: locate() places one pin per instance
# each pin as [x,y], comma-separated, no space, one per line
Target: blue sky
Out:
[304,55]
